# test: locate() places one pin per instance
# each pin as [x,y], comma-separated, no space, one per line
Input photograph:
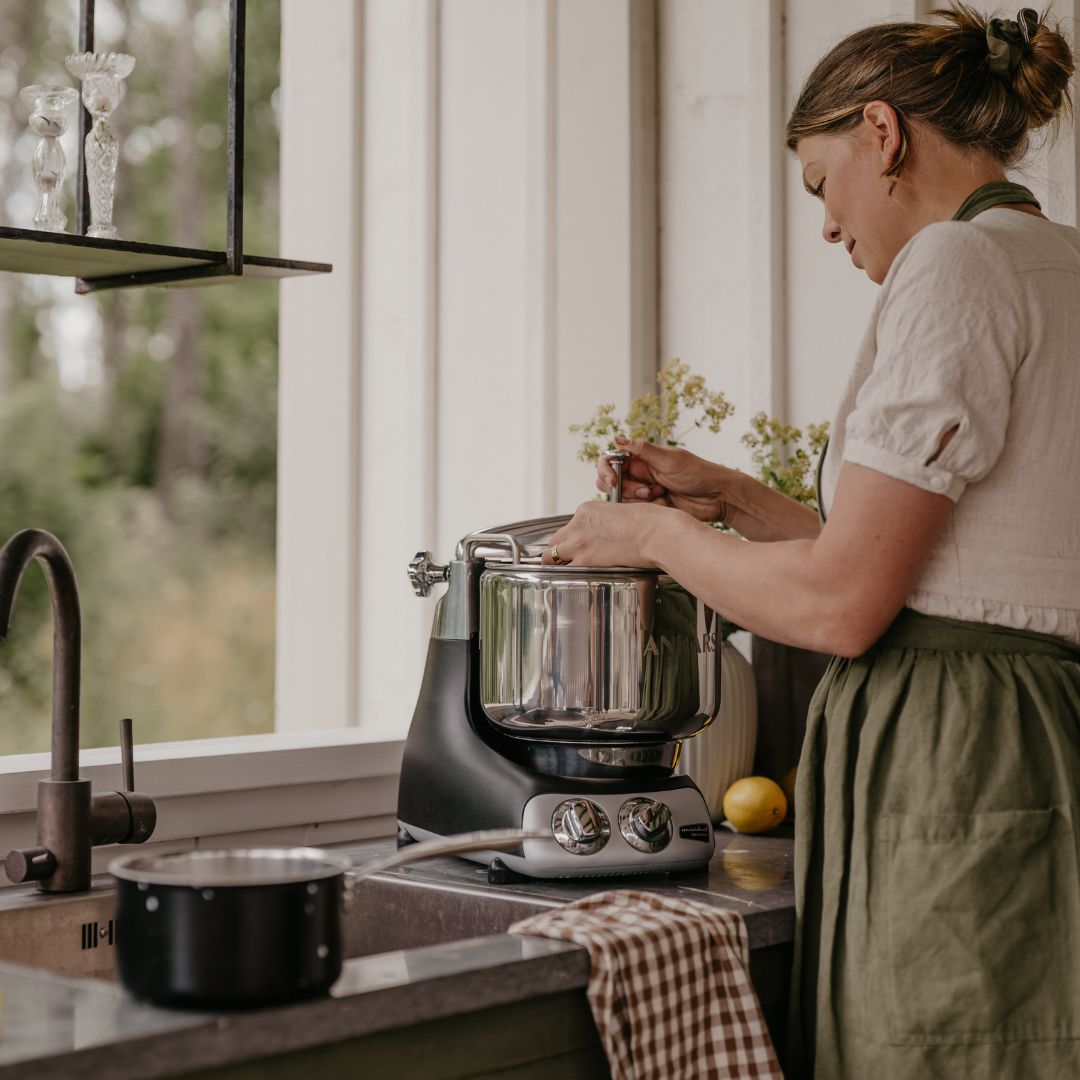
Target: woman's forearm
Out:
[777,590]
[759,513]
[835,592]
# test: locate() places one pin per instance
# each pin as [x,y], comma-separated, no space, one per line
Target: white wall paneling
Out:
[318,400]
[721,204]
[399,465]
[539,276]
[605,176]
[495,279]
[828,301]
[528,204]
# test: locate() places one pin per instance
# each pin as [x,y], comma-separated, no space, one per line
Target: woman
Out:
[938,879]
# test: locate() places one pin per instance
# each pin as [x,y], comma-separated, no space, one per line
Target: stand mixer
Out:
[556,698]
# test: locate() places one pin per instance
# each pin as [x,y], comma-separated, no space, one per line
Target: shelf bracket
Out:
[82,191]
[234,201]
[234,165]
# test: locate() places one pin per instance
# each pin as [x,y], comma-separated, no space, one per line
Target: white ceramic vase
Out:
[724,751]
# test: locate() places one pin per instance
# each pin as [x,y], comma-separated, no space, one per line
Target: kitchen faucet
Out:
[70,821]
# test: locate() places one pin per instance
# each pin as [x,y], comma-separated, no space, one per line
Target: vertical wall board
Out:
[396,365]
[539,277]
[319,325]
[643,170]
[483,399]
[828,300]
[767,265]
[600,345]
[713,101]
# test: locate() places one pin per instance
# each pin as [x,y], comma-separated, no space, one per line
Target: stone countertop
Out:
[52,1027]
[749,874]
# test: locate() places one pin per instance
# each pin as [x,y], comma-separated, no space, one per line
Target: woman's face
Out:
[845,171]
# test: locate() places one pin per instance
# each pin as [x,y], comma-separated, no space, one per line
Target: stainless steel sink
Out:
[75,935]
[67,935]
[397,911]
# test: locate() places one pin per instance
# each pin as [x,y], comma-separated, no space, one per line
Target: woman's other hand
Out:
[672,477]
[668,476]
[610,534]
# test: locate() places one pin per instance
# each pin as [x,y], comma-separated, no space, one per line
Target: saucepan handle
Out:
[483,840]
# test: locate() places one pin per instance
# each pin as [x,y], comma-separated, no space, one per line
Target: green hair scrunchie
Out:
[1006,40]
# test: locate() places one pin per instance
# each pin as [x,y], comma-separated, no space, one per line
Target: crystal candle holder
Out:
[101,75]
[49,107]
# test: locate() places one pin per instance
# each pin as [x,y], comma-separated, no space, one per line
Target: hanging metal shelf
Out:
[116,264]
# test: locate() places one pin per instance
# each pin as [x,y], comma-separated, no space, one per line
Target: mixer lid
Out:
[533,536]
[520,546]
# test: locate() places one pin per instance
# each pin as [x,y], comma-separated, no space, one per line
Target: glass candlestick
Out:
[49,120]
[101,75]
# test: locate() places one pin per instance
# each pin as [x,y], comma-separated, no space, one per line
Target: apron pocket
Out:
[983,926]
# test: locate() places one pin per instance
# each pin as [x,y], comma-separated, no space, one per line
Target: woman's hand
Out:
[707,492]
[610,534]
[672,477]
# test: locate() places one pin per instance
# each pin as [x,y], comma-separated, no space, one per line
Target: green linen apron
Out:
[937,853]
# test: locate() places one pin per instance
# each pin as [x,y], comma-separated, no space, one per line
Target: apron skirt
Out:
[938,860]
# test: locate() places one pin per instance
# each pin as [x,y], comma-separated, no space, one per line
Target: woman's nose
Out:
[831,231]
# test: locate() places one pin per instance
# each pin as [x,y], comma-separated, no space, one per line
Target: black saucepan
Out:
[249,927]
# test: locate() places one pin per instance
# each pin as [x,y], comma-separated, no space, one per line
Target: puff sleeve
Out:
[951,332]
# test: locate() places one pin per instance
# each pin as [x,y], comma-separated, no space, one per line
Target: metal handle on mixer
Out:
[473,539]
[617,459]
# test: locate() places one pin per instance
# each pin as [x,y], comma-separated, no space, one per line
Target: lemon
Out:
[755,804]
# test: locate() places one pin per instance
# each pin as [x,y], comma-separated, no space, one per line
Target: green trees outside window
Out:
[140,426]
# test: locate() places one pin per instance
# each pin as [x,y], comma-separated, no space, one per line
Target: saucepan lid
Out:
[229,868]
[239,867]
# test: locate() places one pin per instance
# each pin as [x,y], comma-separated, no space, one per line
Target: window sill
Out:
[284,788]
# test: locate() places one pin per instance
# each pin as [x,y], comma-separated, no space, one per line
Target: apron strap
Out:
[996,193]
[817,483]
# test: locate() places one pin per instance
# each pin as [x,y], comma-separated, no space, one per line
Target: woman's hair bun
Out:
[943,73]
[1043,65]
[1041,79]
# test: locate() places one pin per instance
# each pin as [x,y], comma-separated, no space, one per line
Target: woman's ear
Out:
[884,125]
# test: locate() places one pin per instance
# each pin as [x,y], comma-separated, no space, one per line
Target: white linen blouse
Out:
[977,328]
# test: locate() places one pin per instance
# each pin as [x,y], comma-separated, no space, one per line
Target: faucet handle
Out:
[29,864]
[127,755]
[141,809]
[125,816]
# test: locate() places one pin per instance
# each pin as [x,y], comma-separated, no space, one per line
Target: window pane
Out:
[140,426]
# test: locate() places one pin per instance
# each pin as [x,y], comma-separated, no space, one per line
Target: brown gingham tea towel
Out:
[669,986]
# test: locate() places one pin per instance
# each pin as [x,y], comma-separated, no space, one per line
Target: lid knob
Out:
[617,459]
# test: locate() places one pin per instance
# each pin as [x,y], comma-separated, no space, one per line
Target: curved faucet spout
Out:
[15,556]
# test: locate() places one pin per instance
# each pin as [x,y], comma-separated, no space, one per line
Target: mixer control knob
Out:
[645,824]
[425,574]
[580,826]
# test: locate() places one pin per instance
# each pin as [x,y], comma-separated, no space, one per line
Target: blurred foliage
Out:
[177,596]
[655,416]
[786,458]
